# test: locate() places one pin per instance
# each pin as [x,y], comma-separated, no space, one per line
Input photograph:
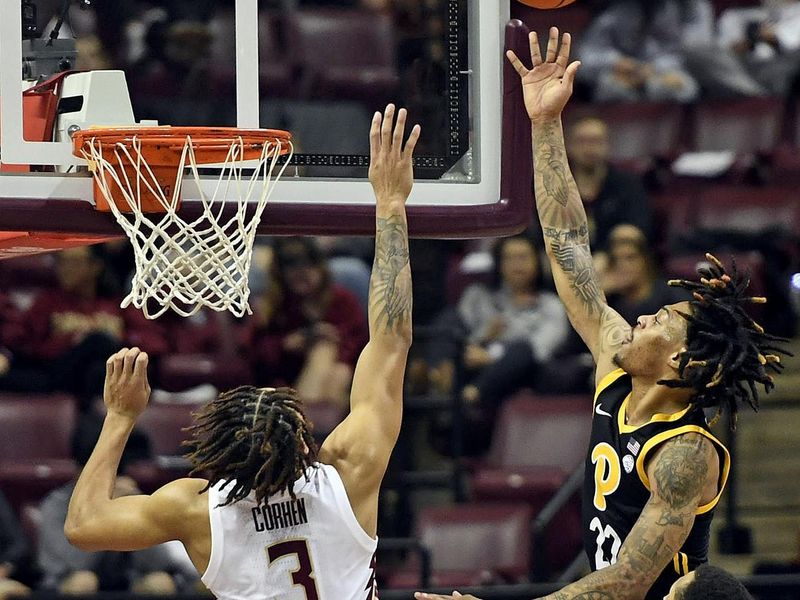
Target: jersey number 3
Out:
[304,575]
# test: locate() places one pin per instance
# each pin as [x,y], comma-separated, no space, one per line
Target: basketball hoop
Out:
[181,264]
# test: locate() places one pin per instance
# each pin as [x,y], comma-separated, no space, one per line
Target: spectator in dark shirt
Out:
[14,552]
[633,283]
[311,329]
[610,195]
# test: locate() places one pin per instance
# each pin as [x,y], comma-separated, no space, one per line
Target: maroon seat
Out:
[741,209]
[178,372]
[471,544]
[746,126]
[164,424]
[537,443]
[640,131]
[344,54]
[29,271]
[35,445]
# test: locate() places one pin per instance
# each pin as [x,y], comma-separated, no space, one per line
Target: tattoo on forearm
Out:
[390,284]
[681,471]
[563,220]
[670,518]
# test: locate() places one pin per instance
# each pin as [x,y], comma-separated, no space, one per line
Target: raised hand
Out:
[390,169]
[548,85]
[126,389]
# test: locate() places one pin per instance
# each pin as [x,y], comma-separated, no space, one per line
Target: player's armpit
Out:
[136,522]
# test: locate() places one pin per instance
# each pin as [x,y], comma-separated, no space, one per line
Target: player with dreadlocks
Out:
[654,471]
[269,515]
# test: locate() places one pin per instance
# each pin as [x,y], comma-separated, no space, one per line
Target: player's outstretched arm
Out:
[679,474]
[361,445]
[547,87]
[96,520]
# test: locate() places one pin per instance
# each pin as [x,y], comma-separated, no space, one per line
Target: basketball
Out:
[547,3]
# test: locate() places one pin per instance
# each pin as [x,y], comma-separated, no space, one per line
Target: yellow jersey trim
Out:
[606,381]
[663,437]
[656,418]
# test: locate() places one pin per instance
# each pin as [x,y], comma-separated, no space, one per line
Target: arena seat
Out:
[638,131]
[746,210]
[746,126]
[35,445]
[178,372]
[537,444]
[163,423]
[343,54]
[471,544]
[29,271]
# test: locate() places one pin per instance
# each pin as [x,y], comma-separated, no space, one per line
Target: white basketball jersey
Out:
[310,548]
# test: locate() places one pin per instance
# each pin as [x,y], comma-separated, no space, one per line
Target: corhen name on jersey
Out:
[616,487]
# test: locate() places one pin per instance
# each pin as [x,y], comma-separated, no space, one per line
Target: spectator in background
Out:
[75,572]
[505,332]
[63,340]
[633,284]
[632,51]
[610,195]
[14,553]
[766,41]
[311,330]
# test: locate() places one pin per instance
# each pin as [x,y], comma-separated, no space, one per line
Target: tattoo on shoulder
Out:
[681,471]
[390,293]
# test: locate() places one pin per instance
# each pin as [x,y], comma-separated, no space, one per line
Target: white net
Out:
[183,264]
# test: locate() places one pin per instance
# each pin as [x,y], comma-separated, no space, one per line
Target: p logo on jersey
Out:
[607,473]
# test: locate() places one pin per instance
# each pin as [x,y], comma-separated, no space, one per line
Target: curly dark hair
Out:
[258,438]
[727,352]
[712,583]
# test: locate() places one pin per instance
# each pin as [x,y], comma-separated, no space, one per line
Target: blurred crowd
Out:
[487,318]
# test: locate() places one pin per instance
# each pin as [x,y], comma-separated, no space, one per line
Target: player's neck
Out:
[648,399]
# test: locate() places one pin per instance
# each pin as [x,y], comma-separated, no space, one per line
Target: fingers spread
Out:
[517,63]
[536,52]
[375,135]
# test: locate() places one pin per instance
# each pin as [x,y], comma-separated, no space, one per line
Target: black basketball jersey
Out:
[616,487]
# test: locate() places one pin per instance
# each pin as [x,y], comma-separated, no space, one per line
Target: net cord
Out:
[188,265]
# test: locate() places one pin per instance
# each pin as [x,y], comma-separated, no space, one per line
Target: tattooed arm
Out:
[683,475]
[360,447]
[547,87]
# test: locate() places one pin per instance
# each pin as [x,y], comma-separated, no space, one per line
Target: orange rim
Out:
[162,146]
